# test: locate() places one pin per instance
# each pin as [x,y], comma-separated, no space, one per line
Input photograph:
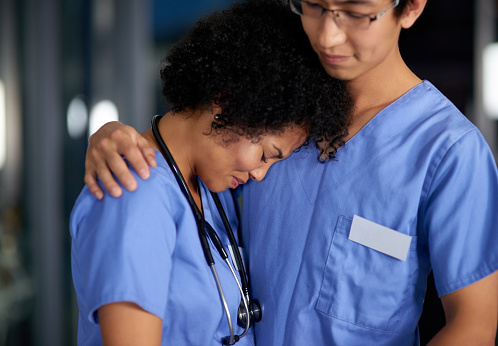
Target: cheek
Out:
[241,157]
[364,43]
[310,28]
[377,43]
[213,159]
[247,162]
[369,52]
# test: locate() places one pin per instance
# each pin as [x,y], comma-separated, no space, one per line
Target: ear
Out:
[215,109]
[411,13]
[215,113]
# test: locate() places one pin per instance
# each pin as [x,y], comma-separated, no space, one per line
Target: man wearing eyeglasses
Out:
[340,251]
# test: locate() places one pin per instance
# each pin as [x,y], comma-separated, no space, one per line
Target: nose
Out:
[259,173]
[329,33]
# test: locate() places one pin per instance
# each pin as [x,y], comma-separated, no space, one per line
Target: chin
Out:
[338,74]
[217,189]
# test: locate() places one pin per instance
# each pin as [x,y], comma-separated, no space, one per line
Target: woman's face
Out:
[347,53]
[226,165]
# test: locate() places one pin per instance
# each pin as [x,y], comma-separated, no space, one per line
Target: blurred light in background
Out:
[104,15]
[103,112]
[490,80]
[77,118]
[3,126]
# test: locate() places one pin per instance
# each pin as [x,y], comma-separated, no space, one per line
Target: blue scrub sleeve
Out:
[459,219]
[122,249]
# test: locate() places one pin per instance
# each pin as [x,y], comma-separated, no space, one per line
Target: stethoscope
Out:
[248,309]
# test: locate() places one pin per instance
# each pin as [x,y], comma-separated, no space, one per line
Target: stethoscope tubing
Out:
[243,285]
[233,242]
[183,186]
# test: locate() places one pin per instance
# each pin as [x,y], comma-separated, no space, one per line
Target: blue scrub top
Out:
[144,248]
[419,168]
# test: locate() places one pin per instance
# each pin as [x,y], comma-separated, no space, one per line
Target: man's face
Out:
[348,53]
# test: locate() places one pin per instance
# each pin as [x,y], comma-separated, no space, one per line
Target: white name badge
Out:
[380,238]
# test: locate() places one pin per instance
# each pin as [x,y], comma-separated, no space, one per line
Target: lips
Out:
[334,59]
[236,182]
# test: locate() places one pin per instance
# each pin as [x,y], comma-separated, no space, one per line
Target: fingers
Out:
[104,159]
[108,181]
[90,180]
[150,156]
[101,159]
[147,151]
[140,156]
[110,165]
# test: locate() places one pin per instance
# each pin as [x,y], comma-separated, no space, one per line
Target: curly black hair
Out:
[255,61]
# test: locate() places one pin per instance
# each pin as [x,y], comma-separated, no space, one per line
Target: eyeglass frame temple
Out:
[389,8]
[324,10]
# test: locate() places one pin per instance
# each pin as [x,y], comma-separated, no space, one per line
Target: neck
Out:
[176,131]
[377,88]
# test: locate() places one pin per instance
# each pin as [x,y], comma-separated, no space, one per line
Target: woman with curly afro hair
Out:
[245,91]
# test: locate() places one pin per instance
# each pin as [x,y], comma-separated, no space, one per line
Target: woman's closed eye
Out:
[263,158]
[268,156]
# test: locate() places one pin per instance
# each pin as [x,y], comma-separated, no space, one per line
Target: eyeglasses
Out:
[342,18]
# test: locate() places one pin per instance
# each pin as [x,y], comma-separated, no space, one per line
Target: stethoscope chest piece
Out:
[255,313]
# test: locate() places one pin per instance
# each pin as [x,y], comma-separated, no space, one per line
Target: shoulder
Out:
[156,197]
[431,120]
[431,108]
[161,182]
[450,130]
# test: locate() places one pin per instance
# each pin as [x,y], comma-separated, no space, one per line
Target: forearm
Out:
[456,334]
[471,315]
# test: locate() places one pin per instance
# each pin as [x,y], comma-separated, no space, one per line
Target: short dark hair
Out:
[398,11]
[255,61]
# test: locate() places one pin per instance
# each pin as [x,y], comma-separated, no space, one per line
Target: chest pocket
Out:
[363,286]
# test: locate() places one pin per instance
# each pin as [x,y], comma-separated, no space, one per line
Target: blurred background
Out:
[68,66]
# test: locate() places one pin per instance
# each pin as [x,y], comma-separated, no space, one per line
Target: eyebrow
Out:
[354,2]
